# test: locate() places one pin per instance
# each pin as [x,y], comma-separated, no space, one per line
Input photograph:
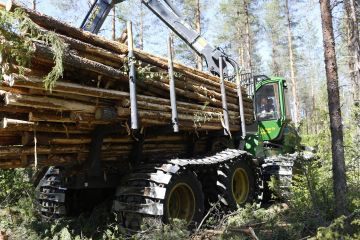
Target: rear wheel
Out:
[184,200]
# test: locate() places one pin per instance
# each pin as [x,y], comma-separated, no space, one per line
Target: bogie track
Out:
[177,188]
[281,168]
[50,195]
[55,200]
[149,190]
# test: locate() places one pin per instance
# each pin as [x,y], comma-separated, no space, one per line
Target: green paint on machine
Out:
[273,120]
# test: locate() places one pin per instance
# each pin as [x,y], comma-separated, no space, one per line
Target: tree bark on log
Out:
[43,53]
[65,29]
[71,88]
[95,90]
[51,103]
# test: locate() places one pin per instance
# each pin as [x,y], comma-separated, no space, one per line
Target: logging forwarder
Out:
[233,171]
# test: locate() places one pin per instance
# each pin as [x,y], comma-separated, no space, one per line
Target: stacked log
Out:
[54,127]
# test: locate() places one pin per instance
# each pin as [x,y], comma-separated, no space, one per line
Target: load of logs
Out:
[43,127]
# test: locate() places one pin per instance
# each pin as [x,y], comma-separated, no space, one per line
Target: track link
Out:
[280,167]
[142,192]
[50,196]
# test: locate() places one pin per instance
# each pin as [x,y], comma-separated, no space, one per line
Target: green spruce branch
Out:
[17,33]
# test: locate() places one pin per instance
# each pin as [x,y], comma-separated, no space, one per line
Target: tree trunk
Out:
[353,46]
[313,108]
[113,36]
[274,54]
[141,31]
[239,39]
[292,65]
[248,38]
[199,61]
[337,141]
[240,51]
[33,5]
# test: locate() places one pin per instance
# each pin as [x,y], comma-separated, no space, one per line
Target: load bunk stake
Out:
[132,79]
[223,98]
[241,104]
[174,114]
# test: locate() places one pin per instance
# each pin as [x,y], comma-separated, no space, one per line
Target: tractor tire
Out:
[236,184]
[145,197]
[184,199]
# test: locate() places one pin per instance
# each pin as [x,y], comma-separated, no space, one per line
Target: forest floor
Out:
[274,221]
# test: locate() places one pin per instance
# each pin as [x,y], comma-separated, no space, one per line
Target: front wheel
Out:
[236,184]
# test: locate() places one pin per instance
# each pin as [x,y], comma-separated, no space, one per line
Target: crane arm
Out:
[166,12]
[97,14]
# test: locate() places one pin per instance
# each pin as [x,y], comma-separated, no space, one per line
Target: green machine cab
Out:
[273,119]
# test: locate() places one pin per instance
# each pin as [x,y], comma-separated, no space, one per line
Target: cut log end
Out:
[5,68]
[7,122]
[2,58]
[125,103]
[3,123]
[31,116]
[9,80]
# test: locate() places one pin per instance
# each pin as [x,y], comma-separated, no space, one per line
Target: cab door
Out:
[270,109]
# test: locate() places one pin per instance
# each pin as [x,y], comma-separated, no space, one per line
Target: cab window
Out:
[267,102]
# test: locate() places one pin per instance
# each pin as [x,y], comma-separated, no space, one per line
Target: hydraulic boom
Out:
[167,12]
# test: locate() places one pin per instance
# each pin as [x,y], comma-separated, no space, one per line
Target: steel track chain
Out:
[142,192]
[50,196]
[280,167]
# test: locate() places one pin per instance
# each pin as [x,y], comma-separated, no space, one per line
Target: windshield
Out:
[267,102]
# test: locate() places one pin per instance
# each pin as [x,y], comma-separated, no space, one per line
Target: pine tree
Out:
[275,23]
[34,2]
[310,66]
[336,127]
[239,32]
[193,13]
[133,11]
[141,27]
[353,45]
[248,41]
[113,30]
[197,21]
[293,77]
